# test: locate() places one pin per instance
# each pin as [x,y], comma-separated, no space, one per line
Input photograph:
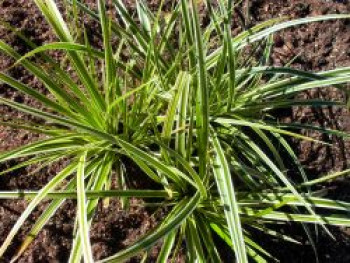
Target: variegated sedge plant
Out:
[191,110]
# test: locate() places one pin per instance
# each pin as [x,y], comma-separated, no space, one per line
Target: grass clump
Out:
[192,109]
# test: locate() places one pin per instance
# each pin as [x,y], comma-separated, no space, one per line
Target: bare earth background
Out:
[319,46]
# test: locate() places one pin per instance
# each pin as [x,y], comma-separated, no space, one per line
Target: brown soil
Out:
[319,46]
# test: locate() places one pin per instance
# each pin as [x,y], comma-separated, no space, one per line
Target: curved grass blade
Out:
[64,142]
[31,92]
[336,220]
[82,211]
[59,120]
[55,19]
[45,78]
[228,198]
[202,106]
[231,121]
[167,246]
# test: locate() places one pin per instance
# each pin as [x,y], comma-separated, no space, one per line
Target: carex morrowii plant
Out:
[190,105]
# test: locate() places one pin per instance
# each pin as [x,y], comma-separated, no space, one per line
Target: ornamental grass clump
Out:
[188,105]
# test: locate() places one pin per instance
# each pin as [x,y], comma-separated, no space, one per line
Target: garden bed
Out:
[318,46]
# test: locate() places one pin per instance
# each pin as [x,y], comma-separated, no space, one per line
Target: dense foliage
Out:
[190,105]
